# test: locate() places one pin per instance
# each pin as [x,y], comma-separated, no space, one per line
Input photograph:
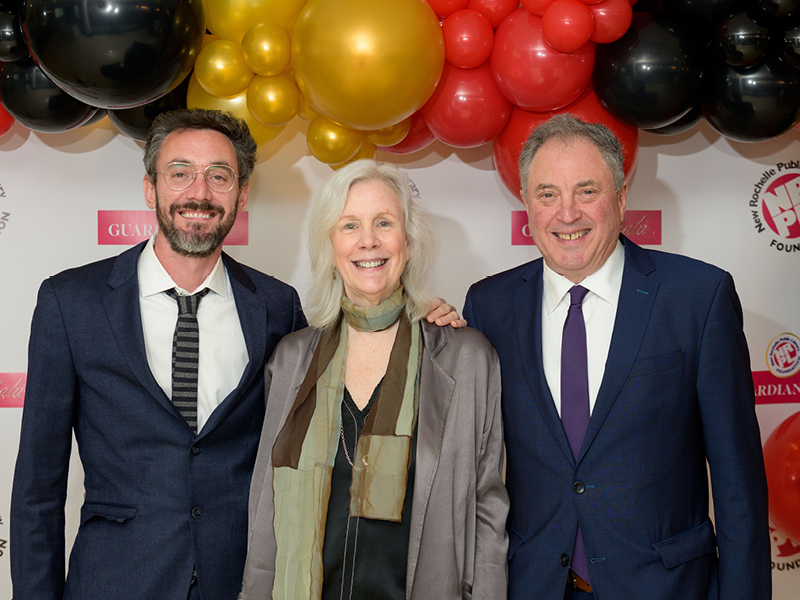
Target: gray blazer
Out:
[458,542]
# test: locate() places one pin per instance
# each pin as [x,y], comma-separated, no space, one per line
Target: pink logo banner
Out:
[12,389]
[129,227]
[776,390]
[640,226]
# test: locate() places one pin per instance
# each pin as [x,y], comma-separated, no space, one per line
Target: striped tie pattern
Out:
[185,352]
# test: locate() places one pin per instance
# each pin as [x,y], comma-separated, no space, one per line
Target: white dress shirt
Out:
[599,313]
[223,352]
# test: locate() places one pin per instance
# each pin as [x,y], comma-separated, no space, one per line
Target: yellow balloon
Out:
[197,97]
[331,143]
[273,100]
[389,136]
[230,19]
[222,70]
[305,111]
[367,150]
[267,49]
[367,64]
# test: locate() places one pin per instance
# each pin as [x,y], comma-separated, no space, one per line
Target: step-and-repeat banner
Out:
[71,198]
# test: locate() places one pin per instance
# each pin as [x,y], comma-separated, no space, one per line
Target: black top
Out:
[363,559]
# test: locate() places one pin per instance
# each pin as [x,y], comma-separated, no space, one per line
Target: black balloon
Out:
[115,53]
[685,123]
[741,41]
[754,104]
[36,102]
[652,75]
[782,11]
[136,122]
[12,42]
[791,47]
[703,16]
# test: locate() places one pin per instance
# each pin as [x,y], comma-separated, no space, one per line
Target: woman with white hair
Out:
[379,474]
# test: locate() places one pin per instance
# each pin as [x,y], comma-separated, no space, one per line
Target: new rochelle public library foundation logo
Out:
[775,206]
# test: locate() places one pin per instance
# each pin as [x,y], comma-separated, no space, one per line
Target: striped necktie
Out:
[185,352]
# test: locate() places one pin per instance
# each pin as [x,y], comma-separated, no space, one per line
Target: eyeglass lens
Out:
[179,176]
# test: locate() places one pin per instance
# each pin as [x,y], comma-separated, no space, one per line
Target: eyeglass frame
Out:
[194,176]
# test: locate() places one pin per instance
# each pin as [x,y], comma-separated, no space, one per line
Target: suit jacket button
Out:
[578,487]
[564,560]
[197,512]
[196,450]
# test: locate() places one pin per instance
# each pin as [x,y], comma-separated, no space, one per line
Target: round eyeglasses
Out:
[179,176]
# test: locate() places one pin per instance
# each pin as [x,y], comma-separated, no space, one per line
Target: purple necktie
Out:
[575,397]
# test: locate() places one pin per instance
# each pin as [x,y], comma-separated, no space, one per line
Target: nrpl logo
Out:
[776,200]
[783,355]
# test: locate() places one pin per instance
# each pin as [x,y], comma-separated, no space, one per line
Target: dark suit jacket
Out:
[158,499]
[677,392]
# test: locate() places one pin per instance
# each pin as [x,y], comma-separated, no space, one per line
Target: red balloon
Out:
[612,18]
[782,462]
[445,8]
[567,25]
[467,109]
[468,39]
[6,120]
[417,138]
[536,7]
[494,10]
[509,143]
[530,73]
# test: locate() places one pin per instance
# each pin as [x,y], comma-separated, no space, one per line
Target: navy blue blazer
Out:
[159,499]
[677,391]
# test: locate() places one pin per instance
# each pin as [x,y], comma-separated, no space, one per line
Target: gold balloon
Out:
[222,70]
[331,143]
[389,136]
[230,19]
[367,64]
[305,111]
[367,150]
[273,100]
[267,48]
[197,97]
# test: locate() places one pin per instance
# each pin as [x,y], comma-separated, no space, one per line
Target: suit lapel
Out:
[636,298]
[121,303]
[527,314]
[253,318]
[436,392]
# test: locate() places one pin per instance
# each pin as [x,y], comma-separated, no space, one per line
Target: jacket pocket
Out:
[110,512]
[656,364]
[687,546]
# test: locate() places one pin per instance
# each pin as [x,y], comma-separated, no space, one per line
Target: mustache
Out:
[201,206]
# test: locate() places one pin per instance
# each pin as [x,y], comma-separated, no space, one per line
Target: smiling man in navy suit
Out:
[608,443]
[165,511]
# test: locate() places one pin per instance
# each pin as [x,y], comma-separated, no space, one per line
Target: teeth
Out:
[572,236]
[196,215]
[369,264]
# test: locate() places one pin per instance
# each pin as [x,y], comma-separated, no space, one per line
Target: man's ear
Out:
[241,204]
[149,191]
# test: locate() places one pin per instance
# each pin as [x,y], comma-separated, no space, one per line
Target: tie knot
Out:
[187,305]
[576,294]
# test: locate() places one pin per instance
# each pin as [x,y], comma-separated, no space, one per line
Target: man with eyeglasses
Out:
[167,426]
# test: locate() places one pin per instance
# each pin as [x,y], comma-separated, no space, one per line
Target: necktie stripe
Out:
[185,356]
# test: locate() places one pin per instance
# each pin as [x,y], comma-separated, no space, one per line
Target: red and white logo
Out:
[783,355]
[775,205]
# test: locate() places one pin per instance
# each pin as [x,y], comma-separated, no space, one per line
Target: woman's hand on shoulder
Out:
[444,314]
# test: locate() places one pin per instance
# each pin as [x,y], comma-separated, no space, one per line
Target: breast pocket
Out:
[658,364]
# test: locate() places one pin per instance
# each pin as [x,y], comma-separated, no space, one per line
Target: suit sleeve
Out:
[491,543]
[469,312]
[40,478]
[298,316]
[733,448]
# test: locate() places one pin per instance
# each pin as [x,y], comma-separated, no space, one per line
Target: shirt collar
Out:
[154,279]
[605,282]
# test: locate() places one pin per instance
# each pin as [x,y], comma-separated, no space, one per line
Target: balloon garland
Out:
[398,75]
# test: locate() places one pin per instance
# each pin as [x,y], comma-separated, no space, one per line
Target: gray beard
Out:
[196,242]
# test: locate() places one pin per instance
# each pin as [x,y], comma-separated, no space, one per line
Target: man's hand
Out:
[442,314]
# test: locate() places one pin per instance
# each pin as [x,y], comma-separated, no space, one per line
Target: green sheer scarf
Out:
[305,449]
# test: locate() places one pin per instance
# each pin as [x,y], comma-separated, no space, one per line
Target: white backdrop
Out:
[53,185]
